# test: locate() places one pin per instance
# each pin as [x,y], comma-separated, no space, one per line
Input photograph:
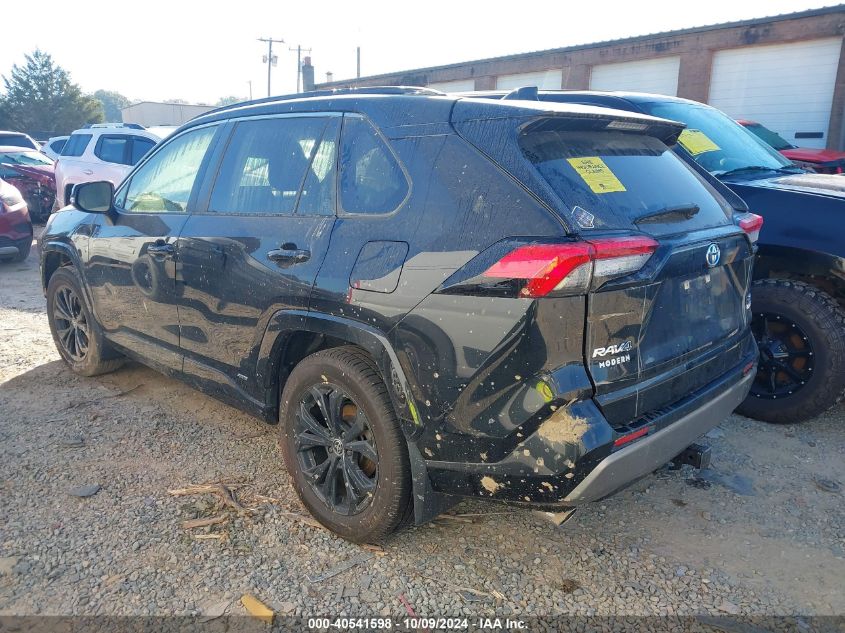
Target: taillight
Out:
[751,223]
[572,267]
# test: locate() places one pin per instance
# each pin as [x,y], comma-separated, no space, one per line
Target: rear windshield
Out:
[615,179]
[16,140]
[768,136]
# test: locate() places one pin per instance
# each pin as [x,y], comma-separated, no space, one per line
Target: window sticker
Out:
[697,142]
[596,174]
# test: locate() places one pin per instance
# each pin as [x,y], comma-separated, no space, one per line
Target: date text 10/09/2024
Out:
[416,623]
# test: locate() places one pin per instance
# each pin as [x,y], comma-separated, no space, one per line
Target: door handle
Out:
[161,250]
[289,255]
[87,172]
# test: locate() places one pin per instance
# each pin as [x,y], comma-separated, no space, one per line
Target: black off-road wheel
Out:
[76,333]
[800,331]
[343,446]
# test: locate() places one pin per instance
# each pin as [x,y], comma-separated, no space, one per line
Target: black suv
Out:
[434,297]
[799,272]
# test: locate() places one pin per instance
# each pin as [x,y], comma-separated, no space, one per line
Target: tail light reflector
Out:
[630,437]
[751,223]
[545,268]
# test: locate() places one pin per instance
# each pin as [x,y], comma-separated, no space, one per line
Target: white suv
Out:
[104,151]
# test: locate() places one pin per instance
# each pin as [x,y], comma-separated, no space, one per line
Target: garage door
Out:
[545,79]
[460,85]
[658,76]
[786,87]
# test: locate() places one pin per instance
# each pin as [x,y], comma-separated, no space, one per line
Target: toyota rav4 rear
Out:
[589,360]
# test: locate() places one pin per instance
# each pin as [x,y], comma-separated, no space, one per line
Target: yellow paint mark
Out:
[596,174]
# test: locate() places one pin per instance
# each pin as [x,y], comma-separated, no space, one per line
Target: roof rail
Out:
[89,126]
[330,92]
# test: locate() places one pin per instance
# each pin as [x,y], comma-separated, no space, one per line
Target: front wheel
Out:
[800,331]
[343,447]
[75,332]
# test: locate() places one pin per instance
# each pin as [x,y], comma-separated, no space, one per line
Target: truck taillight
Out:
[751,223]
[571,268]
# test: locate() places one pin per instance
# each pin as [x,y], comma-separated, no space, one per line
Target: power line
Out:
[299,51]
[269,59]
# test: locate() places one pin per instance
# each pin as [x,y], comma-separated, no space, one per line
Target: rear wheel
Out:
[343,446]
[76,333]
[800,331]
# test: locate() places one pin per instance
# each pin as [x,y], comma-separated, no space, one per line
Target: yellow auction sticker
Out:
[596,174]
[697,142]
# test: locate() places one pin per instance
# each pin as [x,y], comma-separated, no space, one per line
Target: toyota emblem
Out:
[714,254]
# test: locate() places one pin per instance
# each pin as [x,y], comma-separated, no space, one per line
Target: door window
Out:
[164,183]
[371,180]
[140,147]
[266,163]
[112,149]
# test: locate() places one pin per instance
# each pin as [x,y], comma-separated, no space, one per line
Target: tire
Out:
[24,246]
[345,376]
[88,354]
[814,324]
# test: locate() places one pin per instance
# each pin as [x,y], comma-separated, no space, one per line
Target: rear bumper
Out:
[651,452]
[570,458]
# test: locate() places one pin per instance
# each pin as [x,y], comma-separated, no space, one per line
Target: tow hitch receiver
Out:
[695,455]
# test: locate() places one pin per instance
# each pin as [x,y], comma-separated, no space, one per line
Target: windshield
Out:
[618,180]
[24,158]
[717,142]
[769,137]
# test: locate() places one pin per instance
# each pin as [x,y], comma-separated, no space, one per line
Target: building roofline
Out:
[195,105]
[809,13]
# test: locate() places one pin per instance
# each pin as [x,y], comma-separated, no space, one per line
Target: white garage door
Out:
[786,87]
[545,80]
[459,85]
[658,76]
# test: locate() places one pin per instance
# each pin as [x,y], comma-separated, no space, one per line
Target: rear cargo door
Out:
[655,335]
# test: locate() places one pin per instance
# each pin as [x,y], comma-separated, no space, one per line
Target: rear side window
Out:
[140,147]
[371,180]
[615,179]
[112,149]
[76,145]
[268,160]
[57,146]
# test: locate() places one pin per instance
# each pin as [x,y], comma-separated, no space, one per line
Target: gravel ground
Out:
[762,534]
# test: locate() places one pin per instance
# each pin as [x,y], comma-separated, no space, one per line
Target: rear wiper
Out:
[670,214]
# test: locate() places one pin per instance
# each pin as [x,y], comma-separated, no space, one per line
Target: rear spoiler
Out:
[550,116]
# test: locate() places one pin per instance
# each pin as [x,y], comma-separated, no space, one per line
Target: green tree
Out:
[41,98]
[112,102]
[224,101]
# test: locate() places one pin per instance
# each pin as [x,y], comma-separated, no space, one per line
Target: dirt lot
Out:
[762,534]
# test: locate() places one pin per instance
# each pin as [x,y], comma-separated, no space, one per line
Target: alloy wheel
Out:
[71,325]
[336,449]
[786,356]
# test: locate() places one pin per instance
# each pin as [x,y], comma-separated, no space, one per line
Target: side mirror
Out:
[93,197]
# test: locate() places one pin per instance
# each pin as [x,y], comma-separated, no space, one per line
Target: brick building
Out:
[784,71]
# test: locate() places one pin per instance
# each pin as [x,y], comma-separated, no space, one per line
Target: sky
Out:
[202,51]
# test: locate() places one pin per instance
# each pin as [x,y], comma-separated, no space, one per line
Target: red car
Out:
[33,174]
[15,225]
[824,161]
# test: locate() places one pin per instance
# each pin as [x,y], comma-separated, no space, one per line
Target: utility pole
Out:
[358,56]
[269,59]
[299,50]
[249,81]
